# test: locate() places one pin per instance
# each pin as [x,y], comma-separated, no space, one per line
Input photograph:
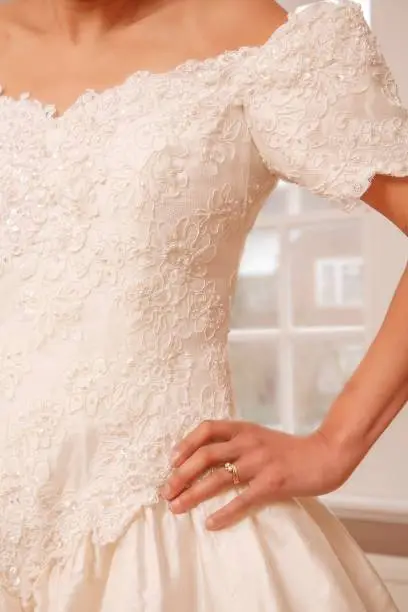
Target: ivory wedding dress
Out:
[122,222]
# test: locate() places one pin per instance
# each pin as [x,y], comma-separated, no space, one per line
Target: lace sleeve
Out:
[322,106]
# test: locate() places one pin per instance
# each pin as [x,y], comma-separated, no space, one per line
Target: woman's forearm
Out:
[378,389]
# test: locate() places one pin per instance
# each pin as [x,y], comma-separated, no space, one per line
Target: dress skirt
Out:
[289,557]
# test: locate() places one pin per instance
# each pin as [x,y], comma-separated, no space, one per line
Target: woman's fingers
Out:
[196,465]
[246,502]
[211,485]
[205,433]
[275,465]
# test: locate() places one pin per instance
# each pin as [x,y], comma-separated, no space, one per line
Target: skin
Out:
[98,43]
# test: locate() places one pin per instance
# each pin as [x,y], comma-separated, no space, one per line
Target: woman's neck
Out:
[84,19]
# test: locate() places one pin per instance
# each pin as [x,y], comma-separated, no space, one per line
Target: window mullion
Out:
[338,271]
[286,397]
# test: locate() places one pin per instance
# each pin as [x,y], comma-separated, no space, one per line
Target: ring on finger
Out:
[232,469]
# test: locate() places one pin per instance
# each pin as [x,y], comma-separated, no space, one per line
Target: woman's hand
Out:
[274,465]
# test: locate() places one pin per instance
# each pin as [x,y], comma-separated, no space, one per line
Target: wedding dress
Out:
[122,222]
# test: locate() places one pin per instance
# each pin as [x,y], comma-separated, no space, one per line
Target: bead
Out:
[14,577]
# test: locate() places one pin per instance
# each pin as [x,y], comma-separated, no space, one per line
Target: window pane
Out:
[256,297]
[326,283]
[321,367]
[327,274]
[288,198]
[352,283]
[310,202]
[255,380]
[339,282]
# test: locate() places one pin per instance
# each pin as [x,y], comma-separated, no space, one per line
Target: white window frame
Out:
[286,334]
[337,266]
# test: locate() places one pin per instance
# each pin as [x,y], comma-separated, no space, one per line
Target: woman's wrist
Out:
[346,451]
[377,390]
[348,427]
[355,422]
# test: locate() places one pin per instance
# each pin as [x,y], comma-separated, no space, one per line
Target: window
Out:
[339,282]
[366,6]
[298,315]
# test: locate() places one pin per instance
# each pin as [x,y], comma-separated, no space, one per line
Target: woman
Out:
[125,485]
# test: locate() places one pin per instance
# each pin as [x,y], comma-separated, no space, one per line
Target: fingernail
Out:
[175,455]
[175,506]
[210,523]
[166,491]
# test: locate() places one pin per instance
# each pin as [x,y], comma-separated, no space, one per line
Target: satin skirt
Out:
[288,557]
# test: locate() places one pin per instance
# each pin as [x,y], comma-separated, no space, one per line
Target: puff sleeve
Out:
[322,106]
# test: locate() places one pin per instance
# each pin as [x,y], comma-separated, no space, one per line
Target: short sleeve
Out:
[322,105]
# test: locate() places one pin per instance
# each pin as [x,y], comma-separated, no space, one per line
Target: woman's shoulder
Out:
[274,43]
[314,35]
[227,25]
[13,27]
[252,23]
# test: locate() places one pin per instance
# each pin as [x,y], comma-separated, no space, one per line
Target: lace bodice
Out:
[122,223]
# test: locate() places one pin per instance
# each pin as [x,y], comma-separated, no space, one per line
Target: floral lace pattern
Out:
[335,118]
[122,223]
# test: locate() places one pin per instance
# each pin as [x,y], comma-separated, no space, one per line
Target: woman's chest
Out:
[150,174]
[148,148]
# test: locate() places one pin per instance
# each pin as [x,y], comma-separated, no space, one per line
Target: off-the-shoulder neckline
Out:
[190,66]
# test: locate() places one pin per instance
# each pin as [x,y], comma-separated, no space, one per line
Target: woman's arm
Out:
[379,388]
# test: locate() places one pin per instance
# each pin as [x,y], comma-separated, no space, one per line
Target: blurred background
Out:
[313,288]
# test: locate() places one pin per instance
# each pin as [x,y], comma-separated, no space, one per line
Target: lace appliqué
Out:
[325,113]
[119,238]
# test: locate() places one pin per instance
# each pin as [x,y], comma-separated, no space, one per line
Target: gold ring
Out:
[232,469]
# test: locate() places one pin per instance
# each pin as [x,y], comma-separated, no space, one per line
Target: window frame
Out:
[337,266]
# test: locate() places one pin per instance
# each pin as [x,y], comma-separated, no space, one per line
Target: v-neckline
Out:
[189,66]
